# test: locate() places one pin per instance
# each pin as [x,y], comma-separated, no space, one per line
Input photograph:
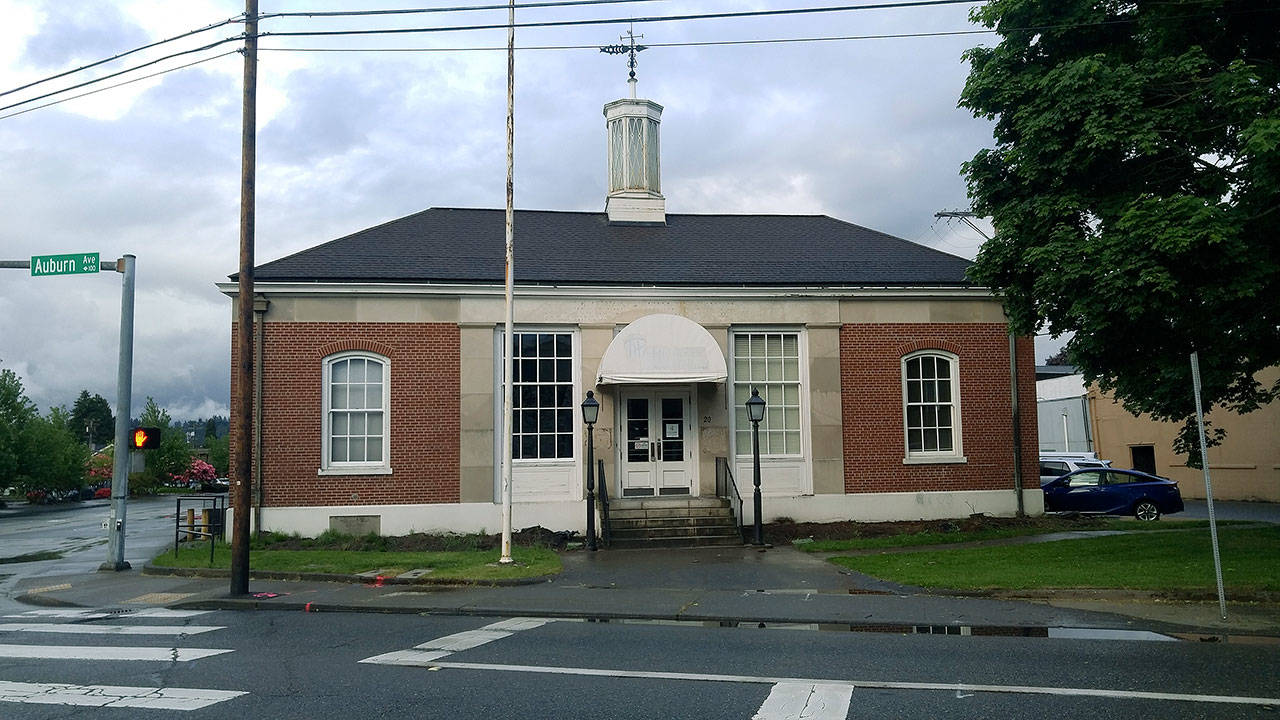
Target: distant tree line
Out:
[52,456]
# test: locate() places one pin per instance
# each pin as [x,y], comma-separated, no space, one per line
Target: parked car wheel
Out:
[1146,511]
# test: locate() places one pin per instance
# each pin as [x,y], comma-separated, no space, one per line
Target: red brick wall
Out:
[424,412]
[871,407]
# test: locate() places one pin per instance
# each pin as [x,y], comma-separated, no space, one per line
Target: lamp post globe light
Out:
[755,413]
[591,413]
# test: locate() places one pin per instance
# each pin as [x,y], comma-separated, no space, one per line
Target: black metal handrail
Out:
[212,526]
[603,498]
[728,489]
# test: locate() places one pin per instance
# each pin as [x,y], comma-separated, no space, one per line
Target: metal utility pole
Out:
[124,392]
[240,496]
[1208,486]
[967,216]
[509,344]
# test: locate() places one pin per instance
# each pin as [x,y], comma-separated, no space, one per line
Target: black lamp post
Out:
[755,413]
[591,413]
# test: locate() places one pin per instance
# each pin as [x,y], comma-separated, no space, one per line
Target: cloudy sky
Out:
[866,130]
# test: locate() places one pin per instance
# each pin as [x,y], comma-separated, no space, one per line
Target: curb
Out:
[233,604]
[1264,597]
[154,570]
[42,600]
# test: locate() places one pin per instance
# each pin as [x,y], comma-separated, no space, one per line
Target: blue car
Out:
[1112,492]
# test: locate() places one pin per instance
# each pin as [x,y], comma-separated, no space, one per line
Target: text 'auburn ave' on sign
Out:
[73,264]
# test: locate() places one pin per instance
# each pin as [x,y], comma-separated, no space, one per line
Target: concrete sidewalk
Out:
[740,585]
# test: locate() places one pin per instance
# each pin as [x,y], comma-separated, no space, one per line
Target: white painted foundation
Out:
[885,507]
[571,515]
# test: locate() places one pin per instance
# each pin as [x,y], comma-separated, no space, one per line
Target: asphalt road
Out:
[76,535]
[317,665]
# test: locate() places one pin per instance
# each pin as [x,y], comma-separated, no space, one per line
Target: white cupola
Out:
[635,185]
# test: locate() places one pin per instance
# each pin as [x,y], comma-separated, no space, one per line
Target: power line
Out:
[228,21]
[120,84]
[703,43]
[613,21]
[460,8]
[122,72]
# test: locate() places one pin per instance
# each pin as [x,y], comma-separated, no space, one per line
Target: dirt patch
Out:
[785,532]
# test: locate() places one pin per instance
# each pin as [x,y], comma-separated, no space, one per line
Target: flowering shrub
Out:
[197,472]
[99,468]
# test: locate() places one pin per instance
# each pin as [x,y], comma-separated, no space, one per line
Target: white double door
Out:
[657,452]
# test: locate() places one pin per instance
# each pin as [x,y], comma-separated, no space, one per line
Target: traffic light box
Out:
[144,438]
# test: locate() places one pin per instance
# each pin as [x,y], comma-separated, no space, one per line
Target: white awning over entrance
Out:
[662,349]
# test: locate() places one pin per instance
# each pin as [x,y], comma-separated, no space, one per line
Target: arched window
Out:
[357,391]
[931,406]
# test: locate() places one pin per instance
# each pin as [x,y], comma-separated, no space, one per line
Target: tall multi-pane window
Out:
[356,397]
[931,404]
[542,396]
[770,363]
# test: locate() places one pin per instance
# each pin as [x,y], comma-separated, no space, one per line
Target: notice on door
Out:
[671,431]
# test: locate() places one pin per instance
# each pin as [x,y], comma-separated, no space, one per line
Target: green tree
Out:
[1133,189]
[210,431]
[53,457]
[93,411]
[170,459]
[219,454]
[16,411]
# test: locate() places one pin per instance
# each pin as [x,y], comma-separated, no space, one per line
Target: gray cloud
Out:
[81,31]
[867,131]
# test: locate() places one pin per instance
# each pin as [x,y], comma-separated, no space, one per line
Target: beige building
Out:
[1245,467]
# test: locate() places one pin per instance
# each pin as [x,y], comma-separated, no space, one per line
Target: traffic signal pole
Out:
[124,391]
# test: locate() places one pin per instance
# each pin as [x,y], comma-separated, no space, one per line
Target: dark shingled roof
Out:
[467,245]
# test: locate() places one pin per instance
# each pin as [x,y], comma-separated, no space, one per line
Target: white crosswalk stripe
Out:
[99,652]
[806,701]
[89,614]
[84,621]
[108,629]
[449,644]
[113,695]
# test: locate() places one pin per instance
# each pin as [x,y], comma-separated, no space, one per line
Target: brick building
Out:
[886,373]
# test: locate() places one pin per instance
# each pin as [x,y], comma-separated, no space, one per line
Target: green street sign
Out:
[73,264]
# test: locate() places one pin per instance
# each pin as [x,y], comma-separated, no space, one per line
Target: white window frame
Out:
[538,479]
[956,453]
[802,389]
[327,465]
[781,475]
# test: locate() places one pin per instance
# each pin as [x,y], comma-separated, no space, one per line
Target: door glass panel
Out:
[637,429]
[672,429]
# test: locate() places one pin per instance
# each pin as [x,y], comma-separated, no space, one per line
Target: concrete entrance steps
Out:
[672,522]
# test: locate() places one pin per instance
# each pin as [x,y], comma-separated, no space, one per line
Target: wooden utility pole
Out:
[244,332]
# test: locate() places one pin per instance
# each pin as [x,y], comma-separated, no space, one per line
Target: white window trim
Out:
[935,457]
[802,340]
[576,465]
[328,467]
[771,464]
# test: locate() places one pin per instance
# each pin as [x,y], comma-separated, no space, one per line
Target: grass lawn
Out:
[461,565]
[996,533]
[1148,561]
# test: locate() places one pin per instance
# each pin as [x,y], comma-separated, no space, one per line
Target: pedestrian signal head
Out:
[144,438]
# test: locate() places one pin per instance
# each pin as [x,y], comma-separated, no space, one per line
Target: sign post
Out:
[124,394]
[87,264]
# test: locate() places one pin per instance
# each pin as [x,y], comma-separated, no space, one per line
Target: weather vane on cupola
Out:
[630,48]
